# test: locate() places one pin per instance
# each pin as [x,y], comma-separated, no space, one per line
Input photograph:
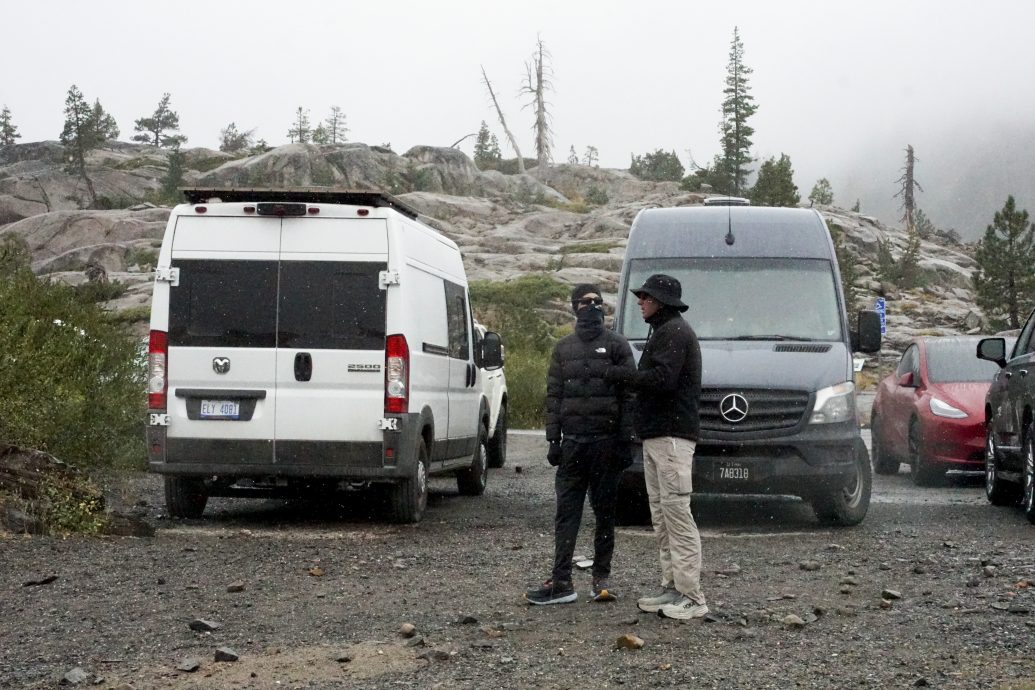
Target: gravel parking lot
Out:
[936,588]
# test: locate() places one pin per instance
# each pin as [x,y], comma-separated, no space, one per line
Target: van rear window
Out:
[322,305]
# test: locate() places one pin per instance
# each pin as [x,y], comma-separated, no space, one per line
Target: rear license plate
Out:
[732,471]
[220,409]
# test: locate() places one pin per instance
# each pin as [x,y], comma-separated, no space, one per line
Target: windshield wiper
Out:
[772,337]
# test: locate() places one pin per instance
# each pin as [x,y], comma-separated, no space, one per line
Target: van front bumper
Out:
[815,460]
[391,459]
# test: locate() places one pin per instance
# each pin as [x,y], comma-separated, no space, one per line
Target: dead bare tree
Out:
[536,87]
[43,193]
[908,182]
[503,122]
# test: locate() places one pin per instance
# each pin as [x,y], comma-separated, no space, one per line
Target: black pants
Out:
[591,466]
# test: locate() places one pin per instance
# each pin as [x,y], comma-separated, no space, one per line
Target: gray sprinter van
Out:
[778,413]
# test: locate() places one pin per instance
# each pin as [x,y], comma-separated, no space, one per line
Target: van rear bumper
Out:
[392,458]
[813,461]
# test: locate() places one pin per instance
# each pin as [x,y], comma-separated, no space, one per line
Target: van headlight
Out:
[834,404]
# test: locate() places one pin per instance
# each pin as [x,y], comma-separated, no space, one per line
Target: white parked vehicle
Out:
[494,387]
[306,337]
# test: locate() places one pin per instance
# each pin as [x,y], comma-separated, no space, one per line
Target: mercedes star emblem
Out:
[733,408]
[221,365]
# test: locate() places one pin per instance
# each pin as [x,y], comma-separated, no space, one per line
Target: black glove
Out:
[553,456]
[619,374]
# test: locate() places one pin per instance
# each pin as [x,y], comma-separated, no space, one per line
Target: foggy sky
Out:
[841,87]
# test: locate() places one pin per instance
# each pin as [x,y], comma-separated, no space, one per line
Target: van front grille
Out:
[767,409]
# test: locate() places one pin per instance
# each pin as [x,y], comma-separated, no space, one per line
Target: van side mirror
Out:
[992,349]
[489,354]
[867,337]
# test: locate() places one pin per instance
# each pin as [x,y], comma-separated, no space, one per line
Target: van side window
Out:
[456,315]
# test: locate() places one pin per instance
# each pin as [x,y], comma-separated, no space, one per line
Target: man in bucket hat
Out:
[668,390]
[588,425]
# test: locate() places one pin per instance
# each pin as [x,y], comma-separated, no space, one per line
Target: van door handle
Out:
[472,375]
[303,366]
[1024,372]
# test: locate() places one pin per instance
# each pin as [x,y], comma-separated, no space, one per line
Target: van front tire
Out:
[408,499]
[497,446]
[185,497]
[848,505]
[471,481]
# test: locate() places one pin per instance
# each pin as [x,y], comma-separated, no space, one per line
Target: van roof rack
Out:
[312,195]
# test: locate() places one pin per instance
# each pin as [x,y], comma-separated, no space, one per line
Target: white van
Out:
[494,388]
[312,337]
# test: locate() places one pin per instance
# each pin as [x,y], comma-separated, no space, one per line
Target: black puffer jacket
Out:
[580,404]
[668,380]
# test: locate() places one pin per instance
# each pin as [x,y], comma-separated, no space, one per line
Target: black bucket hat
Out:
[665,289]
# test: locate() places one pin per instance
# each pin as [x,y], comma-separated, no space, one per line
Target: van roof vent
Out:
[312,195]
[816,348]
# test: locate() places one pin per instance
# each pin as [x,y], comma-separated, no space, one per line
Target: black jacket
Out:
[668,380]
[580,403]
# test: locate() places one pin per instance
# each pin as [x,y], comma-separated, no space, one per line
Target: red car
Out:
[929,412]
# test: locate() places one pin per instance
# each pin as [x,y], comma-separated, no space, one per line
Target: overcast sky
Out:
[841,87]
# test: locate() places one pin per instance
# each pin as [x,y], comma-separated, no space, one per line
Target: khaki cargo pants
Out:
[667,468]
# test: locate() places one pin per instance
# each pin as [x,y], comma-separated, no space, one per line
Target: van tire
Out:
[883,461]
[408,498]
[497,445]
[848,505]
[471,481]
[185,497]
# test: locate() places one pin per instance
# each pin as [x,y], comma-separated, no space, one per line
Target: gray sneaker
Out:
[654,604]
[684,609]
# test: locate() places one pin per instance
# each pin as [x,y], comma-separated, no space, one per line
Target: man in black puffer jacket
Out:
[588,425]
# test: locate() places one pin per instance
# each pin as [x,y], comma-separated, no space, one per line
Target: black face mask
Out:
[589,322]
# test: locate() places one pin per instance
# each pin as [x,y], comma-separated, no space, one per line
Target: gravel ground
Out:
[325,589]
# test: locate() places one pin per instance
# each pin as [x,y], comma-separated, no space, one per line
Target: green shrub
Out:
[97,291]
[589,248]
[597,196]
[510,308]
[132,315]
[71,376]
[142,257]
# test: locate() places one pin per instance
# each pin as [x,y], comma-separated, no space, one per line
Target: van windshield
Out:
[745,298]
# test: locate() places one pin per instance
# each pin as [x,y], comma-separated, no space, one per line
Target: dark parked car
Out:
[929,412]
[1010,432]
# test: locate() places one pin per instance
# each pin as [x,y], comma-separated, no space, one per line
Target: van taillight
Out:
[157,379]
[397,374]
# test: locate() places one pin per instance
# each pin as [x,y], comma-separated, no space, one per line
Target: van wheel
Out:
[185,497]
[408,498]
[999,491]
[471,480]
[922,471]
[847,506]
[497,446]
[883,462]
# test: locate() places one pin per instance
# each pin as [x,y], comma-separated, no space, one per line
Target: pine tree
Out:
[855,209]
[924,226]
[104,125]
[590,157]
[231,140]
[321,135]
[737,106]
[79,136]
[909,262]
[8,132]
[153,129]
[300,131]
[573,158]
[821,193]
[1004,283]
[173,175]
[847,266]
[481,146]
[775,185]
[336,126]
